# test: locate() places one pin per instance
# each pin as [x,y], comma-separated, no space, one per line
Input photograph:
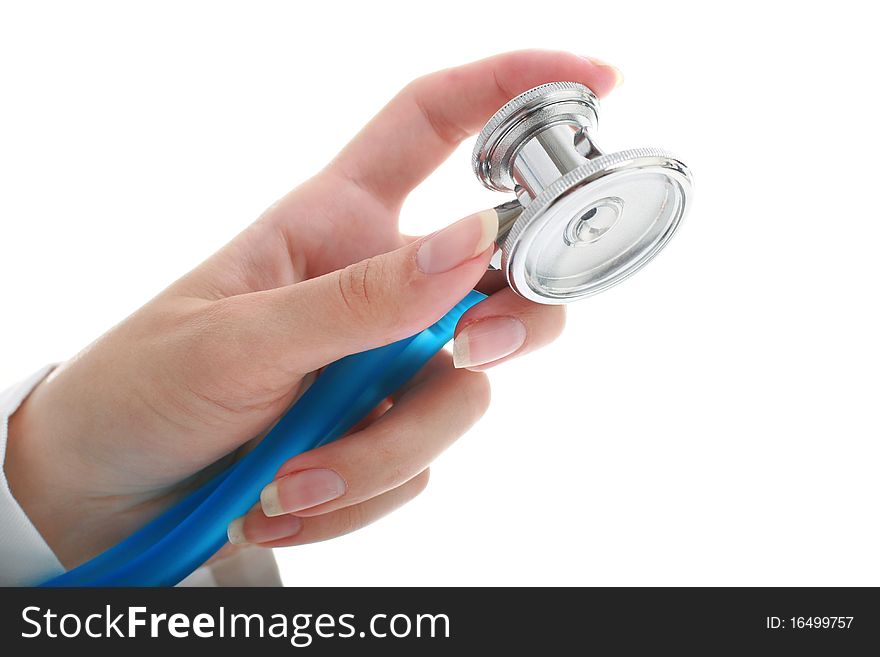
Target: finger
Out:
[286,530]
[425,122]
[301,327]
[392,450]
[440,363]
[502,327]
[381,408]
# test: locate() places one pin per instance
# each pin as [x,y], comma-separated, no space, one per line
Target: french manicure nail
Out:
[301,490]
[458,243]
[618,75]
[263,531]
[235,532]
[487,340]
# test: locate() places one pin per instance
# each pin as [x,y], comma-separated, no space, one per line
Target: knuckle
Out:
[416,86]
[394,469]
[357,288]
[419,91]
[351,519]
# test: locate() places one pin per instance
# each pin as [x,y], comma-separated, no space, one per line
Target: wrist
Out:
[30,462]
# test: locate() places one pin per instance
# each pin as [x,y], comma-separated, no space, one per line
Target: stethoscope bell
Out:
[583,220]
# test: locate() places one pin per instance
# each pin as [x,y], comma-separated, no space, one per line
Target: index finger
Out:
[426,121]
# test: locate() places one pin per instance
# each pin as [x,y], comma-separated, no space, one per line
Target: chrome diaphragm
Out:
[583,220]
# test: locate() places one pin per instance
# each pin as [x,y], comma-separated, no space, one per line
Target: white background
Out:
[711,421]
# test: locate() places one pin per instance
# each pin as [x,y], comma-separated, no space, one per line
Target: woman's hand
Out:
[164,399]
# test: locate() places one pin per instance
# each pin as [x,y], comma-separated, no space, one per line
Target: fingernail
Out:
[457,243]
[301,490]
[263,531]
[618,75]
[235,532]
[488,340]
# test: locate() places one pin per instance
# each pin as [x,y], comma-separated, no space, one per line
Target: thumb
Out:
[373,302]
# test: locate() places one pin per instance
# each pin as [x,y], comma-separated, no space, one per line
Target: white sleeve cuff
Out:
[25,558]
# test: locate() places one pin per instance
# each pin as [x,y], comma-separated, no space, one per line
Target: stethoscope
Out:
[582,221]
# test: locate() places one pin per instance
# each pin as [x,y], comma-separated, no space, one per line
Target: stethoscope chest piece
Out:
[588,219]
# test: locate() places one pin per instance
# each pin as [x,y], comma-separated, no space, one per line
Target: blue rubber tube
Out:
[169,548]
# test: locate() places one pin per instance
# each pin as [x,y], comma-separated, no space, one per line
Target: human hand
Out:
[169,396]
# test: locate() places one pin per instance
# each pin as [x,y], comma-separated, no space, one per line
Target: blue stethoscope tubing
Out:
[166,550]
